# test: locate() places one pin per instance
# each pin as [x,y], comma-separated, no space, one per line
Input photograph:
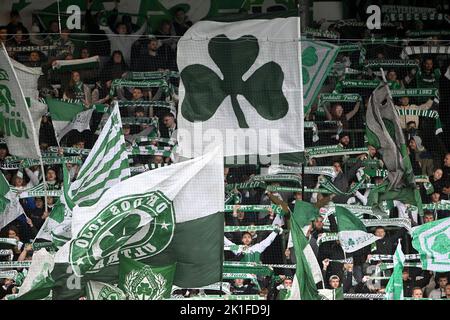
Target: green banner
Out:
[377,64]
[339,97]
[419,92]
[14,264]
[252,228]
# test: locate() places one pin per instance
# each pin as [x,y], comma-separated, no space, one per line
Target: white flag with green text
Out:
[16,121]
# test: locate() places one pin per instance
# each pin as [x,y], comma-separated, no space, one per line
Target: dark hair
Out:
[244,233]
[428,213]
[168,115]
[111,61]
[409,122]
[14,228]
[179,9]
[441,276]
[163,22]
[121,24]
[379,227]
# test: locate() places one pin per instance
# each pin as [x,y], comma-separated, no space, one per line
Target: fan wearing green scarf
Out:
[78,90]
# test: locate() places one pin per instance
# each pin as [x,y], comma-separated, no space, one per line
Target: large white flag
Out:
[155,217]
[16,121]
[241,87]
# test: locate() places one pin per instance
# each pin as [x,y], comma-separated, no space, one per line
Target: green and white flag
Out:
[317,61]
[68,116]
[16,121]
[241,81]
[143,282]
[105,166]
[384,132]
[37,282]
[432,241]
[394,288]
[332,294]
[56,227]
[76,64]
[308,271]
[152,218]
[352,233]
[10,207]
[96,290]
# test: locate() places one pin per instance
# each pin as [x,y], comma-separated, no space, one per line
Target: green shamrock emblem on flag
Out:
[206,90]
[144,289]
[309,59]
[441,244]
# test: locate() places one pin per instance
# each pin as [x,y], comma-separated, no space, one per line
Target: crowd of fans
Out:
[124,47]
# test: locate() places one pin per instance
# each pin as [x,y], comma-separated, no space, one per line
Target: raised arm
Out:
[279,202]
[352,113]
[427,105]
[227,242]
[362,197]
[33,179]
[262,246]
[327,112]
[141,29]
[107,30]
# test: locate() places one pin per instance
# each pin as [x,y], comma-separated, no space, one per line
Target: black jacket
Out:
[342,182]
[388,244]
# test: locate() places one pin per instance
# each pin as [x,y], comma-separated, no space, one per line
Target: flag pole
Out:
[59,17]
[44,181]
[303,181]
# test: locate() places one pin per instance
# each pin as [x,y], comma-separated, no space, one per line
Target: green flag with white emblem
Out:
[241,81]
[97,290]
[432,241]
[143,282]
[351,231]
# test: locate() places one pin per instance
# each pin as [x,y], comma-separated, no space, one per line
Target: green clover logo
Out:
[441,244]
[205,90]
[144,289]
[309,58]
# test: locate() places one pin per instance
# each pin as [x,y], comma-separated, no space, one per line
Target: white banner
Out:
[15,119]
[241,87]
